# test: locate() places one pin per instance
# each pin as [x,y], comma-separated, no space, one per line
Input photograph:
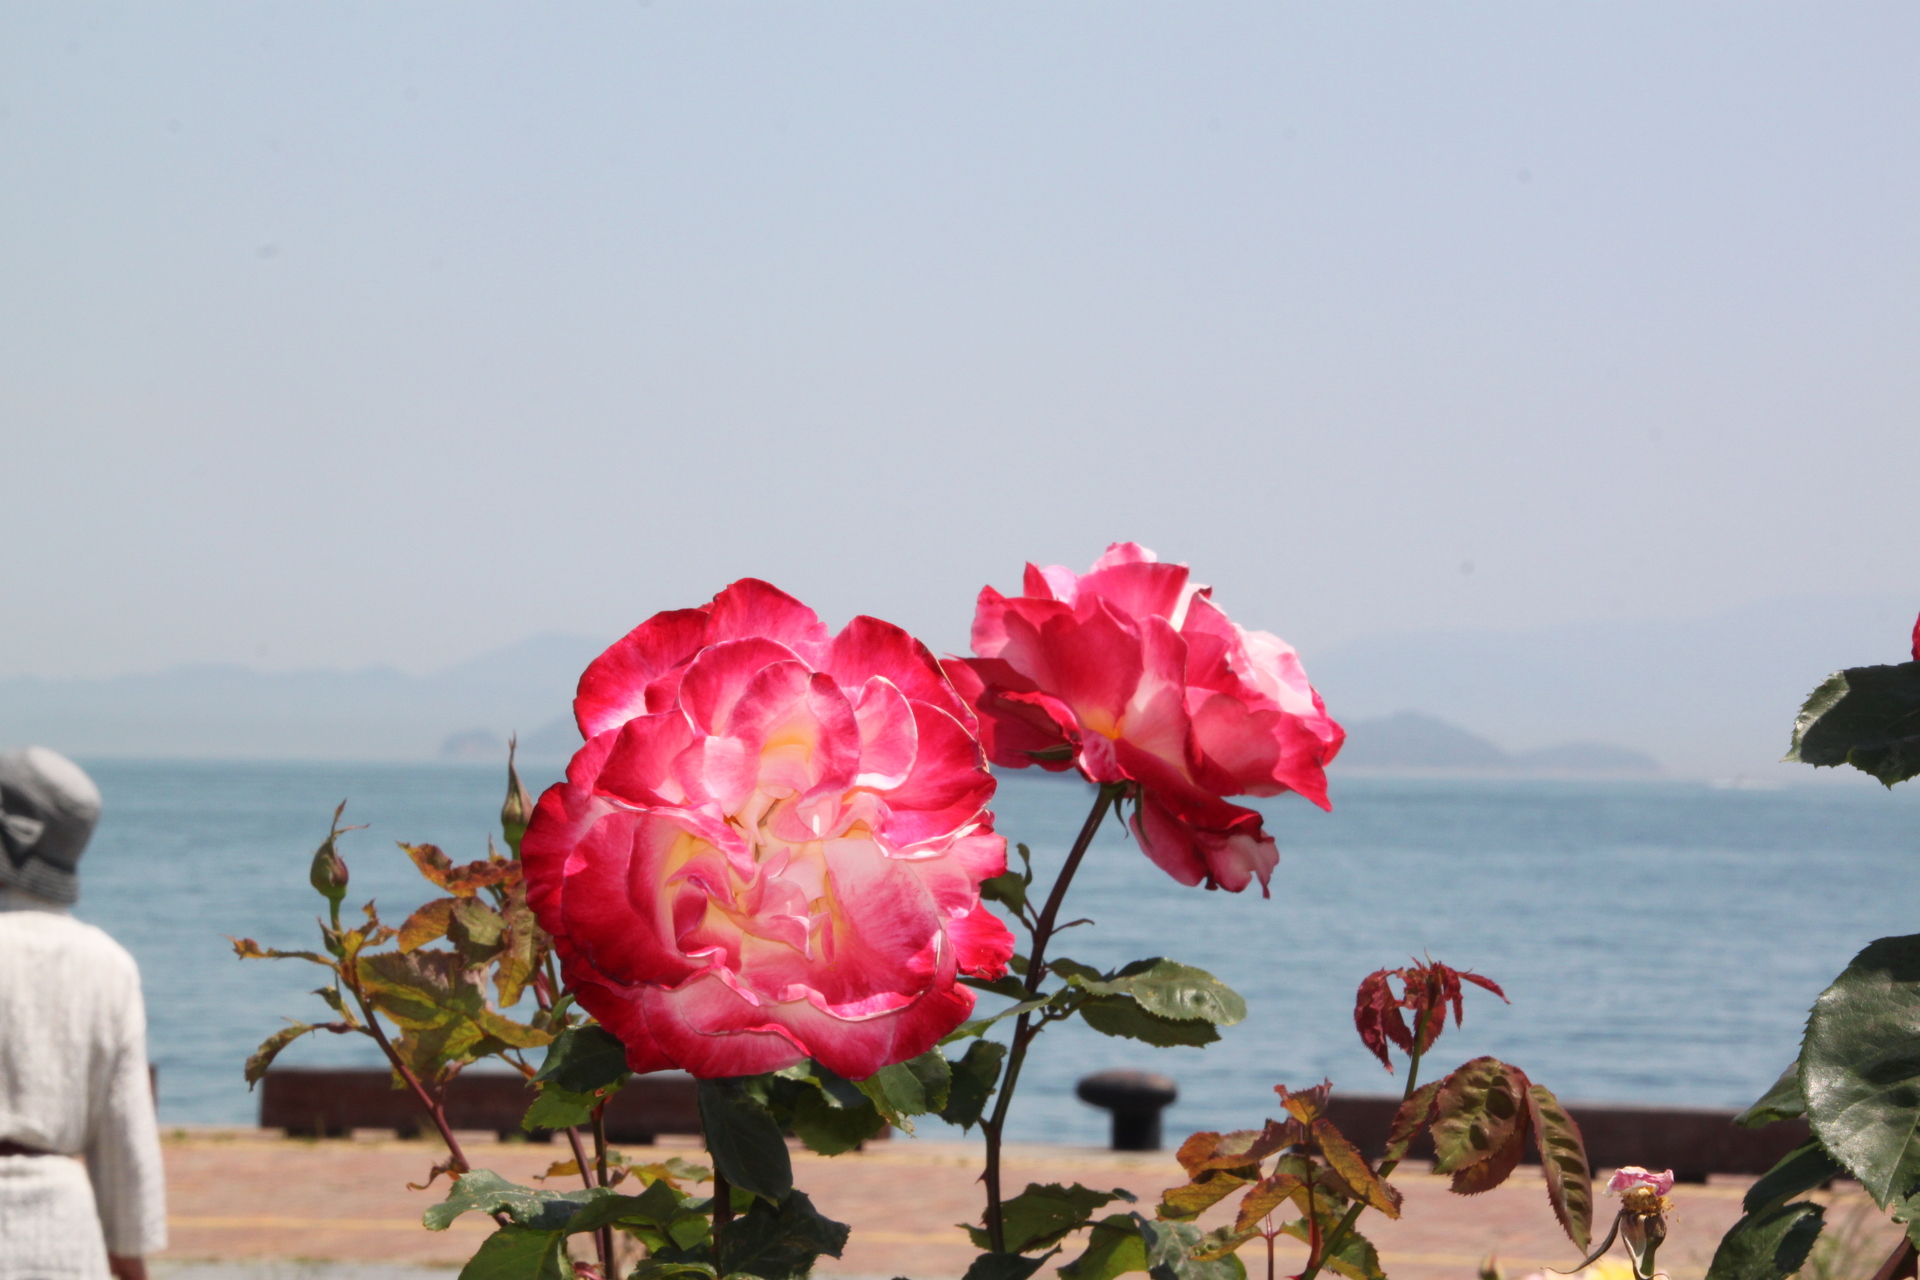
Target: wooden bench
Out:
[1691,1141]
[332,1103]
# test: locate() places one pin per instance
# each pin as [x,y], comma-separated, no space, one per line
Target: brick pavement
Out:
[243,1194]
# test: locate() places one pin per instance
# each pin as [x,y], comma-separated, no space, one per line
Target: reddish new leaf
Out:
[1353,1168]
[1185,1203]
[1427,990]
[1478,1109]
[1491,1172]
[1563,1158]
[1304,1105]
[1376,1015]
[1237,1150]
[1413,1116]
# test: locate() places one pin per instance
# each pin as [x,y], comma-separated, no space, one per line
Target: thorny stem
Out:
[1338,1236]
[435,1111]
[603,1238]
[722,1210]
[1024,1029]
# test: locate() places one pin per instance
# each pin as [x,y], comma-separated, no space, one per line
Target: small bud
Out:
[517,810]
[329,872]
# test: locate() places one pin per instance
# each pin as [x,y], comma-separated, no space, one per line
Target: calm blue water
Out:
[1660,941]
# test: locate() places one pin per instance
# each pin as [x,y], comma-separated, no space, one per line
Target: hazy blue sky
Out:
[351,333]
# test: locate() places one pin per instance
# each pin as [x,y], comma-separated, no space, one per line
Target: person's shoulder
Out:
[77,936]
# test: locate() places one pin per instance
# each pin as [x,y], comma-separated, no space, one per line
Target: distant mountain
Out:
[1706,697]
[1411,742]
[232,712]
[1711,696]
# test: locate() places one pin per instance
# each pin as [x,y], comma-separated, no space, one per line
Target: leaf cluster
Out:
[1427,989]
[1857,1082]
[1317,1173]
[1156,1001]
[1868,717]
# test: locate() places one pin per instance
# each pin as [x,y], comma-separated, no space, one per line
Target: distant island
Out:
[1410,742]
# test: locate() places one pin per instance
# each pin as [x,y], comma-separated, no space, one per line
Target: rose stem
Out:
[1023,1030]
[1338,1236]
[603,1238]
[435,1111]
[722,1210]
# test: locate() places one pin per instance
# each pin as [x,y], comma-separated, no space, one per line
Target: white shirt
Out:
[73,1064]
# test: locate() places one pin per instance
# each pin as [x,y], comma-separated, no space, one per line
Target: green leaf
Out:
[270,1049]
[1802,1169]
[1114,1247]
[1783,1101]
[1042,1216]
[1563,1159]
[744,1140]
[1182,992]
[1860,1068]
[979,1026]
[520,1253]
[1007,985]
[1771,1245]
[1170,1247]
[484,1191]
[1009,887]
[1123,1016]
[557,1108]
[776,1243]
[585,1059]
[912,1088]
[1005,1266]
[829,1127]
[1162,987]
[974,1076]
[1479,1107]
[1356,1258]
[1868,717]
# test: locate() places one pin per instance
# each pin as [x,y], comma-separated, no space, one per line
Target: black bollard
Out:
[1136,1099]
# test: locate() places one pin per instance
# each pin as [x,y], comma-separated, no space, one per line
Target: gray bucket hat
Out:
[48,808]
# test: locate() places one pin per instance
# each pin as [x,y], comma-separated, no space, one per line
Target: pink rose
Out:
[771,845]
[1134,675]
[1627,1177]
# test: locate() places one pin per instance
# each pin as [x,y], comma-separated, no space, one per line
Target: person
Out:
[73,1050]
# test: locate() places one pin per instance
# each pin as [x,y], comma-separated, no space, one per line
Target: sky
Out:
[359,333]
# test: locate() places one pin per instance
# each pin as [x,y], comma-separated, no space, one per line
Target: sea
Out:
[1660,941]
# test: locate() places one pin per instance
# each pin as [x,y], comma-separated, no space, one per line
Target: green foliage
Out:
[1353,1255]
[1043,1216]
[584,1059]
[1162,987]
[1004,1266]
[1770,1245]
[1171,1249]
[1868,717]
[972,1080]
[1122,1017]
[1782,1101]
[520,1253]
[557,1108]
[916,1087]
[1803,1169]
[744,1139]
[1114,1247]
[270,1048]
[776,1242]
[1860,1068]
